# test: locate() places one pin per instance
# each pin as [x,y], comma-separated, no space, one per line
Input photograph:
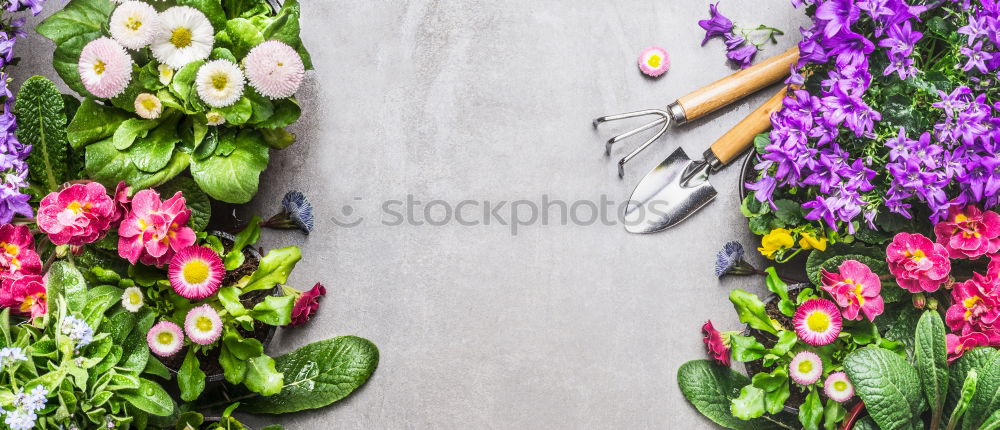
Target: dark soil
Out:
[262,332]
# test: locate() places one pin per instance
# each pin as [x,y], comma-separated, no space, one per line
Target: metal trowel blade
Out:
[668,194]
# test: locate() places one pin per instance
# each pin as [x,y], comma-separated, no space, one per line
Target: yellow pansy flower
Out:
[809,241]
[777,240]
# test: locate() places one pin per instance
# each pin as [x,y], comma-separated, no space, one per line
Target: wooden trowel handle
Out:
[739,138]
[738,85]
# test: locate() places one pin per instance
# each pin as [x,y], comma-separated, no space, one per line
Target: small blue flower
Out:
[78,331]
[729,261]
[300,211]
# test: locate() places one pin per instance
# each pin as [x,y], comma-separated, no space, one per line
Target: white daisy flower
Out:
[132,299]
[215,118]
[166,74]
[133,24]
[148,106]
[219,83]
[185,35]
[105,68]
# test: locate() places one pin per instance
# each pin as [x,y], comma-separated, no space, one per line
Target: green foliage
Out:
[811,411]
[41,119]
[749,404]
[190,378]
[274,269]
[319,374]
[79,22]
[889,386]
[751,311]
[931,359]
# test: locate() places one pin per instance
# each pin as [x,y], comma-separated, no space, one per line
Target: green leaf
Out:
[967,393]
[746,348]
[41,123]
[931,359]
[155,367]
[242,348]
[276,310]
[190,378]
[776,389]
[751,311]
[760,142]
[183,84]
[197,201]
[987,397]
[131,129]
[248,236]
[149,397]
[321,373]
[234,369]
[233,178]
[72,27]
[977,359]
[98,300]
[811,411]
[238,113]
[833,414]
[155,151]
[285,27]
[262,377]
[277,138]
[889,386]
[243,35]
[64,280]
[211,8]
[789,211]
[749,404]
[230,299]
[274,269]
[286,112]
[108,166]
[93,122]
[993,422]
[786,340]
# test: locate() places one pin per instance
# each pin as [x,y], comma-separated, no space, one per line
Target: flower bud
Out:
[919,300]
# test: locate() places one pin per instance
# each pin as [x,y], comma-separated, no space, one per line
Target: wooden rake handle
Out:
[739,138]
[738,85]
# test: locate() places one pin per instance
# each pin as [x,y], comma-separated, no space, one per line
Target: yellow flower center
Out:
[10,249]
[181,37]
[148,103]
[220,81]
[195,272]
[165,338]
[203,324]
[916,256]
[805,366]
[961,218]
[840,386]
[133,24]
[77,208]
[818,322]
[134,298]
[30,301]
[654,61]
[99,67]
[858,294]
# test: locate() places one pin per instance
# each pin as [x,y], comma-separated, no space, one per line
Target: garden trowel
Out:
[678,186]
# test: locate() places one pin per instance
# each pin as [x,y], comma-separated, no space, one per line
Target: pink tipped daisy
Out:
[203,325]
[654,61]
[818,322]
[274,69]
[838,388]
[806,368]
[105,68]
[196,272]
[165,338]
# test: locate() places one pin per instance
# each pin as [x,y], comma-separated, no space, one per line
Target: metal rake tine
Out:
[631,155]
[630,133]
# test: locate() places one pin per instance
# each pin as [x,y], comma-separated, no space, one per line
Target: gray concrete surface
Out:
[575,326]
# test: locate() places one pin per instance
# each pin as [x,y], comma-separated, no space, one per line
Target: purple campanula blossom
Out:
[977,27]
[955,101]
[716,25]
[903,66]
[19,5]
[837,15]
[743,56]
[977,58]
[901,39]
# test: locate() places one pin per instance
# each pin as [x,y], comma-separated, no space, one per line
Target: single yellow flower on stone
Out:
[777,240]
[808,241]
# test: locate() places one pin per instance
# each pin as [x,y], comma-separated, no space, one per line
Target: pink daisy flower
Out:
[806,368]
[274,69]
[196,272]
[203,325]
[105,68]
[838,388]
[654,61]
[818,322]
[165,339]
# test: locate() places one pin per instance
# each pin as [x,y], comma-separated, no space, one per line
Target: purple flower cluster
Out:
[804,149]
[739,50]
[13,154]
[983,32]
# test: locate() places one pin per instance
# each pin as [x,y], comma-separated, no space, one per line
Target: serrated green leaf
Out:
[319,374]
[41,123]
[889,386]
